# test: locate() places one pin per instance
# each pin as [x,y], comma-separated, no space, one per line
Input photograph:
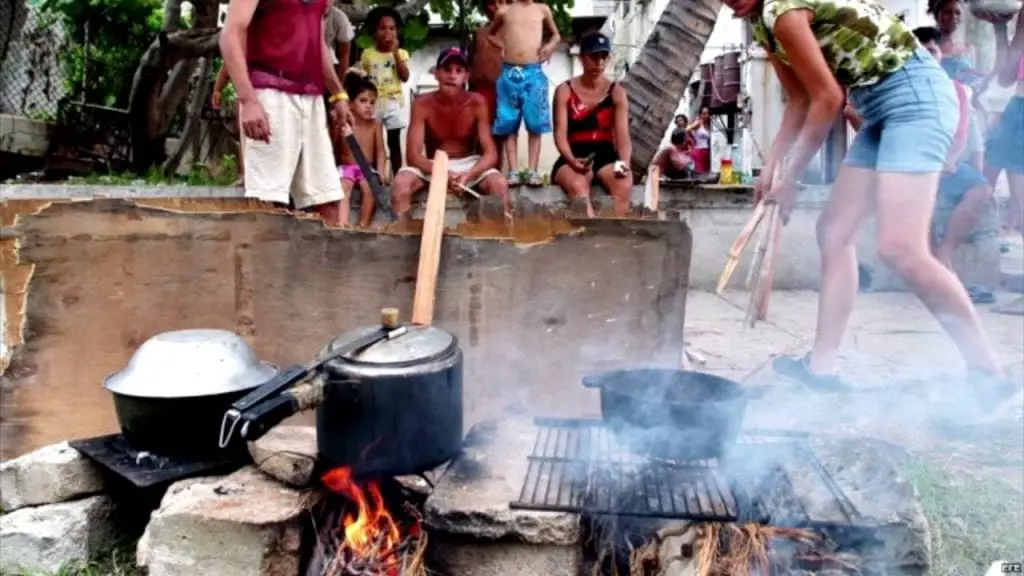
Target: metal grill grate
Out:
[578,465]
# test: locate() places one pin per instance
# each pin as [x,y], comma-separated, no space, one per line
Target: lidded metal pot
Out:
[388,399]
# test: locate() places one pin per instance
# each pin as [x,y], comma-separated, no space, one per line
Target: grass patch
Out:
[118,561]
[225,173]
[974,522]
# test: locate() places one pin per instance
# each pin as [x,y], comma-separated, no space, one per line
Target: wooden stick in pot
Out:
[430,242]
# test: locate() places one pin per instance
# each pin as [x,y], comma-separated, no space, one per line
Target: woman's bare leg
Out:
[850,202]
[576,185]
[904,216]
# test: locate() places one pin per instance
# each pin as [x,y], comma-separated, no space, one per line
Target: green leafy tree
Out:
[416,29]
[106,40]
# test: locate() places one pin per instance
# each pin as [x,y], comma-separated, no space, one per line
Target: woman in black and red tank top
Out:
[591,117]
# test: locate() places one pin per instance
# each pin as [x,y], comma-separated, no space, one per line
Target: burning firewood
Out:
[369,542]
[732,550]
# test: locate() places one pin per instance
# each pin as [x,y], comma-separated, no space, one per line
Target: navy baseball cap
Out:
[595,44]
[452,55]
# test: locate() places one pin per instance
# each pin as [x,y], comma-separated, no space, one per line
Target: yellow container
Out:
[725,174]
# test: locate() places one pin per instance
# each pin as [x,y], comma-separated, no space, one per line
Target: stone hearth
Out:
[253,521]
[475,532]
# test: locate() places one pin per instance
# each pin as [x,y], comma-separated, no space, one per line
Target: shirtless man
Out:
[453,120]
[518,29]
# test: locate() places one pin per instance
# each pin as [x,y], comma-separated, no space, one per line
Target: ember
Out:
[369,541]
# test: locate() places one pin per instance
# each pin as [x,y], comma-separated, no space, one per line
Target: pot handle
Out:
[258,420]
[592,381]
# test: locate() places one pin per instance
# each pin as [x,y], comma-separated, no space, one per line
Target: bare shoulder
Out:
[562,91]
[544,8]
[619,93]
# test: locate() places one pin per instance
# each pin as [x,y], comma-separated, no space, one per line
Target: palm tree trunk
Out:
[657,80]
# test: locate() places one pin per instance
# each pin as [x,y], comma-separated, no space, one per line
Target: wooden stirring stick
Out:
[430,242]
[761,266]
[736,251]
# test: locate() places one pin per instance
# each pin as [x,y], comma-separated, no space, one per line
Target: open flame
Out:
[372,537]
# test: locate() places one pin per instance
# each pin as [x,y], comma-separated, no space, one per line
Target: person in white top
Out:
[700,129]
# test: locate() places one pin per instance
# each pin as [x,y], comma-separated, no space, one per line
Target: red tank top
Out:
[596,124]
[285,46]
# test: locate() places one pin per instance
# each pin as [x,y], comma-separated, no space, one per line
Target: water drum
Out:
[716,83]
[729,88]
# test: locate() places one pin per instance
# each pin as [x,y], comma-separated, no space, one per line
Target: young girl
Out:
[820,49]
[369,134]
[388,67]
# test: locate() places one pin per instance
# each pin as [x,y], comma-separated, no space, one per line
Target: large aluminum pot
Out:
[171,397]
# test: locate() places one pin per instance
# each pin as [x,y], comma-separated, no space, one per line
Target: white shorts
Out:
[455,166]
[299,160]
[389,113]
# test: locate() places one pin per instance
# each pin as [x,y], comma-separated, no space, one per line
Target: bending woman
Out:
[591,116]
[891,171]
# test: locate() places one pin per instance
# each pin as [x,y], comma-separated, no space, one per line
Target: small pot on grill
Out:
[671,414]
[388,400]
[171,396]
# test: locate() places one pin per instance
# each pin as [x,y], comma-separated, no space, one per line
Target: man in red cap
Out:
[458,122]
[276,54]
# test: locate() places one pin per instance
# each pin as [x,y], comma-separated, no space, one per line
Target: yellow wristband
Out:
[339,97]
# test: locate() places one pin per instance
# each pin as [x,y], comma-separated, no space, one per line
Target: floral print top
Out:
[860,40]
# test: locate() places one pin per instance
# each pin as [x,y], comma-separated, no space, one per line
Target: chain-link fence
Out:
[31,78]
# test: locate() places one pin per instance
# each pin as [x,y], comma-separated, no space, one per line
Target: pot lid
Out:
[189,363]
[418,344]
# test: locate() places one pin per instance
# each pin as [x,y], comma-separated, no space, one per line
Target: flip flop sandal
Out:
[534,180]
[798,368]
[514,179]
[980,295]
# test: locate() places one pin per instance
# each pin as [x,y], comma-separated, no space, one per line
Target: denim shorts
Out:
[1004,148]
[953,185]
[910,117]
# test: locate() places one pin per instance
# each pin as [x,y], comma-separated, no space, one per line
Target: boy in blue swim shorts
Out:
[522,88]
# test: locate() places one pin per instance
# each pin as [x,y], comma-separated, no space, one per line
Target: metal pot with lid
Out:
[172,394]
[388,399]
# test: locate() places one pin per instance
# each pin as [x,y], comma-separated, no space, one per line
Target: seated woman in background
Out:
[675,161]
[591,116]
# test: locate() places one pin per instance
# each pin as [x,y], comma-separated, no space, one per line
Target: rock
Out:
[473,496]
[244,524]
[507,558]
[670,553]
[52,474]
[45,538]
[287,453]
[474,532]
[886,501]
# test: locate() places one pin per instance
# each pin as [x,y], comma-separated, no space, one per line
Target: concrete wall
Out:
[24,136]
